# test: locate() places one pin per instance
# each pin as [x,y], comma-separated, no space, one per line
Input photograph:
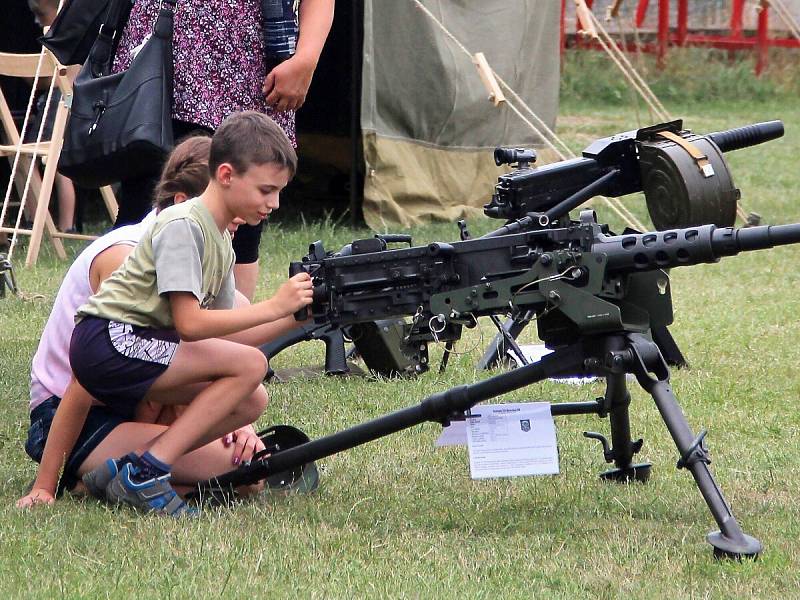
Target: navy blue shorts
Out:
[118,362]
[100,421]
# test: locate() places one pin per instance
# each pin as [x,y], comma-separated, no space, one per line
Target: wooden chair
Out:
[25,155]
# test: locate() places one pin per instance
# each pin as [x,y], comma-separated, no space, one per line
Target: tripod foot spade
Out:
[640,472]
[725,547]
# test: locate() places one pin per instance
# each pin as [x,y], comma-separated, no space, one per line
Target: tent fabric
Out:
[428,129]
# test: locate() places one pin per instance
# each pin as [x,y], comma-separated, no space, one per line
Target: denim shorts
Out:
[100,421]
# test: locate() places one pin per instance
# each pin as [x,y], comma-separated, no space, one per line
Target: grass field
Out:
[400,518]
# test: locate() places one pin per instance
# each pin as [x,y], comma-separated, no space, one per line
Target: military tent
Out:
[398,114]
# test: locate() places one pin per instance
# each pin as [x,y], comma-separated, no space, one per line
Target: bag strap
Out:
[112,21]
[102,52]
[164,25]
[104,48]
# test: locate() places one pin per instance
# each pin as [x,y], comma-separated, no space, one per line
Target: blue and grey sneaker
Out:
[154,495]
[97,479]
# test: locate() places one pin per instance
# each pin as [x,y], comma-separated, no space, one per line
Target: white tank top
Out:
[50,371]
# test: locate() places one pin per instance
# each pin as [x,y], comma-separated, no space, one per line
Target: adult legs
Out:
[246,244]
[66,203]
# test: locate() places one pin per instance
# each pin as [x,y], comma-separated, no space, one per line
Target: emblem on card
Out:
[525,424]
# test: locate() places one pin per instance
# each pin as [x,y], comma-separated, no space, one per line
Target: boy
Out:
[105,434]
[145,336]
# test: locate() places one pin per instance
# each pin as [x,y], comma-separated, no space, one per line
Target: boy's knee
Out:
[254,365]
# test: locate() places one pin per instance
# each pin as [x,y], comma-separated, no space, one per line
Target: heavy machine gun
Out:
[684,178]
[685,181]
[683,175]
[594,296]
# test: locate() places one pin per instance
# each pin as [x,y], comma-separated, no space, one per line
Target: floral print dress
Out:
[219,57]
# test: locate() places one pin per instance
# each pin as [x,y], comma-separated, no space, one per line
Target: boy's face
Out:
[254,194]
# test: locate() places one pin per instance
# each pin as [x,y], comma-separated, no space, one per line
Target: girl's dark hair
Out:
[186,171]
[251,138]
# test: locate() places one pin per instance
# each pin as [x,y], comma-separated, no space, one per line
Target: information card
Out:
[511,440]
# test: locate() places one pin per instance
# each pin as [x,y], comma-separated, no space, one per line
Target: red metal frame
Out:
[734,39]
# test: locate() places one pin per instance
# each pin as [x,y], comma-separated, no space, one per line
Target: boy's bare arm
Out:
[193,323]
[263,334]
[64,430]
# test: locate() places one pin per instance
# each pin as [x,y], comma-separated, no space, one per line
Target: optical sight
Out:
[508,156]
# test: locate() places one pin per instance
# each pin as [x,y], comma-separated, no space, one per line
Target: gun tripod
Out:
[610,356]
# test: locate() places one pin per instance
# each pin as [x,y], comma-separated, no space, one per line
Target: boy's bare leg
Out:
[233,398]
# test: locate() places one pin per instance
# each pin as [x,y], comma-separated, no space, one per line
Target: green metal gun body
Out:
[578,279]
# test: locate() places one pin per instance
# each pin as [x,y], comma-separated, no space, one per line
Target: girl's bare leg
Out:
[207,461]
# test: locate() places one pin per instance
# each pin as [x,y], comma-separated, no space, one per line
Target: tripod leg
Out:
[669,347]
[495,353]
[729,541]
[622,447]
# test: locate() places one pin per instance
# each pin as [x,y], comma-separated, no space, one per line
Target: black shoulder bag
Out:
[120,125]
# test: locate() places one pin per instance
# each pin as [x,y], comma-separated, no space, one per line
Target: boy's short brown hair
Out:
[251,138]
[186,171]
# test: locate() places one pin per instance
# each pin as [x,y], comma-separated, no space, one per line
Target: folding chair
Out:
[25,171]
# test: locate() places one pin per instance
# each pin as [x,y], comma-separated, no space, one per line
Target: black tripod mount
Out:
[611,356]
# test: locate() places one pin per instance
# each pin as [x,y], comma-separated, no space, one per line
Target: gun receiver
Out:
[577,279]
[684,177]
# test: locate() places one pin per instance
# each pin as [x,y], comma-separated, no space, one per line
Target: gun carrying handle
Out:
[396,238]
[294,269]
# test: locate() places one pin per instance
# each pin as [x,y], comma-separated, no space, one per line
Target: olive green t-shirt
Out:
[183,251]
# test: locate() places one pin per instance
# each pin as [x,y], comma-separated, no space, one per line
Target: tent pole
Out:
[356,149]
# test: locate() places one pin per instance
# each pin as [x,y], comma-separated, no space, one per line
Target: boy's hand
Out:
[36,496]
[247,443]
[296,293]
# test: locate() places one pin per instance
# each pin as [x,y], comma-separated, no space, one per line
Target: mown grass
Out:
[400,518]
[696,75]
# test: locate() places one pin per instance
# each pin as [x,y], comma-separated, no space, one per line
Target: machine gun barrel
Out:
[749,135]
[690,246]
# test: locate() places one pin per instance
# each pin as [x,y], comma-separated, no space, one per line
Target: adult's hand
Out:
[287,84]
